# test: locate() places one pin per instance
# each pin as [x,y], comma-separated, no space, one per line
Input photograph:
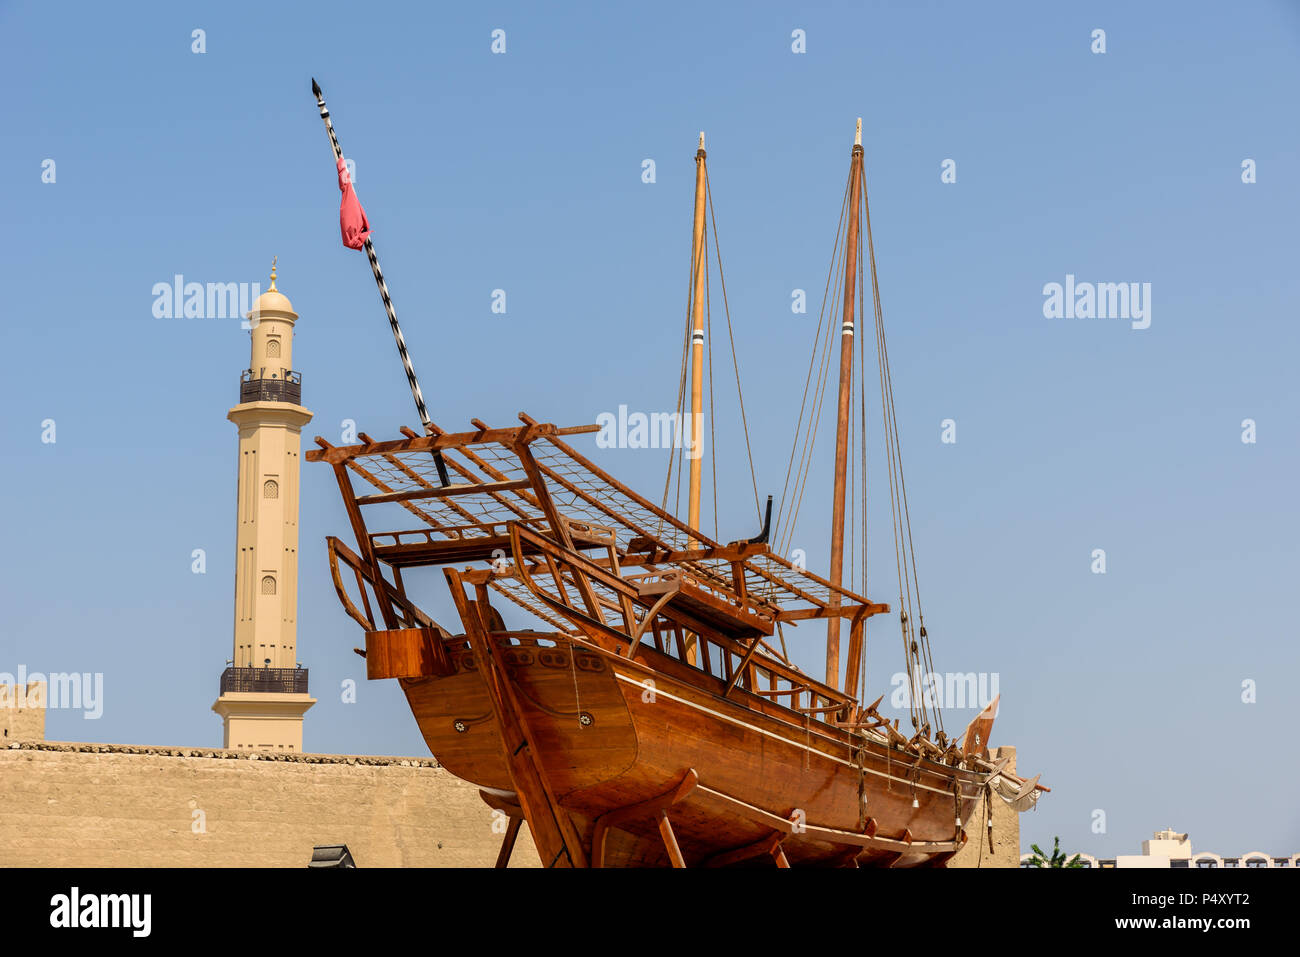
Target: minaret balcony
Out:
[261,680]
[270,385]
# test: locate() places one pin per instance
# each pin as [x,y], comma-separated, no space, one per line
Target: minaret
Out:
[264,695]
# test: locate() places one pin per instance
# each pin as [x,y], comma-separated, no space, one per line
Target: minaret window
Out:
[273,348]
[268,585]
[270,489]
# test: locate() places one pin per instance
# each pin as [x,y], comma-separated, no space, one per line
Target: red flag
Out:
[352,218]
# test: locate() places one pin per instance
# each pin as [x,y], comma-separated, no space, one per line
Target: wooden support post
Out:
[742,668]
[552,829]
[670,840]
[853,668]
[641,810]
[508,843]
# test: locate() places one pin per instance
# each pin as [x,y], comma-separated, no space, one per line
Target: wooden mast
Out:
[698,268]
[842,419]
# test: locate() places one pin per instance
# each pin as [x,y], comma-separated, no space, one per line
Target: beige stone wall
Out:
[17,721]
[1006,829]
[106,805]
[100,805]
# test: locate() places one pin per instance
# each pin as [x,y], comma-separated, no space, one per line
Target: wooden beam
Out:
[732,553]
[491,471]
[415,476]
[824,611]
[853,667]
[447,440]
[487,488]
[740,668]
[745,810]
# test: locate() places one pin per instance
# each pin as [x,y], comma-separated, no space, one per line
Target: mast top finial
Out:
[701,139]
[857,137]
[273,260]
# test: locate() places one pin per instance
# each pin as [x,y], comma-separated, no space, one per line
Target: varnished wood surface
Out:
[755,770]
[406,653]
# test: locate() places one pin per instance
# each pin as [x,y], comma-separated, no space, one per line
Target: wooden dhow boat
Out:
[654,717]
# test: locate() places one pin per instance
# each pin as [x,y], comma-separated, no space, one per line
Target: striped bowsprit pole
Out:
[416,394]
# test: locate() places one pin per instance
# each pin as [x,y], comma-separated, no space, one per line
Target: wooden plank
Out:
[844,611]
[660,556]
[486,488]
[455,550]
[745,810]
[975,742]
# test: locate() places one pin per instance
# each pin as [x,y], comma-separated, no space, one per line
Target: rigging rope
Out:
[675,453]
[917,651]
[708,345]
[726,308]
[675,456]
[806,458]
[781,524]
[919,654]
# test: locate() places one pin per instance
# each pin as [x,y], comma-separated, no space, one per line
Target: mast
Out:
[842,418]
[698,268]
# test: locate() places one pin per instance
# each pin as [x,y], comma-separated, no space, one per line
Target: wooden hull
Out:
[611,733]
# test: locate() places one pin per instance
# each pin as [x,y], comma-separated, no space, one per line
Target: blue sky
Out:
[522,172]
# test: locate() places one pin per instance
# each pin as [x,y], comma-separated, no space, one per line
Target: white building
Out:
[1169,848]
